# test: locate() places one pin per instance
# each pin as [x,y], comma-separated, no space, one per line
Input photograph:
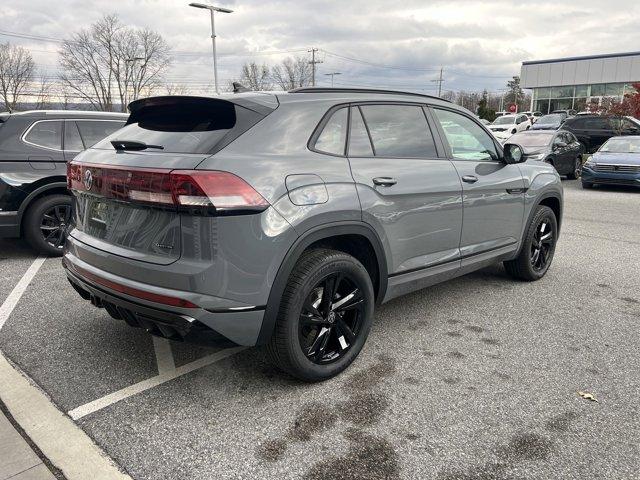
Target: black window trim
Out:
[437,141]
[445,142]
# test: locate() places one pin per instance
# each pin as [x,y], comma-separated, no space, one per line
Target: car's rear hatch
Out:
[132,187]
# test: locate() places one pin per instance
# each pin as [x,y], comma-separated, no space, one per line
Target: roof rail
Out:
[361,90]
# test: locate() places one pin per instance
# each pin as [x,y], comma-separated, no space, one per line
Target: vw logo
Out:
[88,179]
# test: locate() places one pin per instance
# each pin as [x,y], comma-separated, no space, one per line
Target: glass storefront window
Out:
[582,91]
[541,106]
[543,92]
[598,90]
[614,89]
[580,104]
[561,104]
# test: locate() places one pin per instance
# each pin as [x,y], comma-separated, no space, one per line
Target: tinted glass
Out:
[92,131]
[184,127]
[46,134]
[72,140]
[334,134]
[359,143]
[467,139]
[399,131]
[596,123]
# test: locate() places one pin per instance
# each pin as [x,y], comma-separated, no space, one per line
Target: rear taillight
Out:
[204,190]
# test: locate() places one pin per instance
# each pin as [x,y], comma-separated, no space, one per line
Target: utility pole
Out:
[439,81]
[333,74]
[213,9]
[313,63]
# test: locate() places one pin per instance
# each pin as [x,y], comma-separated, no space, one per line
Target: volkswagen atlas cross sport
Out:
[283,219]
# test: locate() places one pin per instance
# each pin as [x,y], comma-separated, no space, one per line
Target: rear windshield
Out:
[506,120]
[186,127]
[551,119]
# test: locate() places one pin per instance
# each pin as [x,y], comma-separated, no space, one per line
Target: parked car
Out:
[256,218]
[34,149]
[568,113]
[558,148]
[505,126]
[533,116]
[617,162]
[553,121]
[593,130]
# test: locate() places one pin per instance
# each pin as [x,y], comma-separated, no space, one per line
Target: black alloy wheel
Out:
[54,223]
[331,318]
[542,245]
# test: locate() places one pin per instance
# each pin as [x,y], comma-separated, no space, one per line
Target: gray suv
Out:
[283,219]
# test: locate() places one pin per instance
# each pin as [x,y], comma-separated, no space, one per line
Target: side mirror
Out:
[513,153]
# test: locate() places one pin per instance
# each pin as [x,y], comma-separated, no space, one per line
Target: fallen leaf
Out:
[588,396]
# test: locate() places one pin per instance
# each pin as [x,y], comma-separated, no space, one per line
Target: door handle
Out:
[469,179]
[384,181]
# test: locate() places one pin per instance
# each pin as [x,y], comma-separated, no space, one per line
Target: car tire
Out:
[47,217]
[312,341]
[577,169]
[587,185]
[536,253]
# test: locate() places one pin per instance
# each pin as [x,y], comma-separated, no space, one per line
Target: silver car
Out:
[283,219]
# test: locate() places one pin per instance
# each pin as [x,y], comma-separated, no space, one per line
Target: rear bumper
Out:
[591,176]
[239,326]
[9,225]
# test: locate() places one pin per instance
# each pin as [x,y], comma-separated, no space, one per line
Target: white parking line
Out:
[12,300]
[164,355]
[127,392]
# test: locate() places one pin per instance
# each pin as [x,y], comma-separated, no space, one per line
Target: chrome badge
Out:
[88,179]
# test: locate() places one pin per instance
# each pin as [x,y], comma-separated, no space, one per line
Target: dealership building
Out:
[573,83]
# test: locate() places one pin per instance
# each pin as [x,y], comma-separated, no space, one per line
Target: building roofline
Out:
[587,57]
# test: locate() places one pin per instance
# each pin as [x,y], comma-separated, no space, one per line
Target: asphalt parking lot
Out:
[476,378]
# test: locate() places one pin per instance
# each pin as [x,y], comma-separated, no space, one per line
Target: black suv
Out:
[34,149]
[593,130]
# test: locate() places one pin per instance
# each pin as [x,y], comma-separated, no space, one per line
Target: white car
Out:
[507,125]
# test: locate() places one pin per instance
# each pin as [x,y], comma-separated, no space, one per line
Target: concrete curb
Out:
[60,440]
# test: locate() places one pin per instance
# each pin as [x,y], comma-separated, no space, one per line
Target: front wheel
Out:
[325,316]
[45,224]
[538,247]
[577,169]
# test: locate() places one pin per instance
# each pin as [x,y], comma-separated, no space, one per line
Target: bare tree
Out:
[42,92]
[292,73]
[176,89]
[256,77]
[16,72]
[111,63]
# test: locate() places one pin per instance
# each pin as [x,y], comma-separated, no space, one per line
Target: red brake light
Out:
[192,189]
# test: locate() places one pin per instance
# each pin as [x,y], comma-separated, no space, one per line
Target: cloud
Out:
[480,44]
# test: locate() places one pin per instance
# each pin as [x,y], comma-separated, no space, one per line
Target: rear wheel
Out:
[587,185]
[325,316]
[45,224]
[538,247]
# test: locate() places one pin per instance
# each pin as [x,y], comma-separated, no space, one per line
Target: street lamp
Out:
[212,10]
[333,74]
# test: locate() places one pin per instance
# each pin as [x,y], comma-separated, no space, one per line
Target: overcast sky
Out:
[480,44]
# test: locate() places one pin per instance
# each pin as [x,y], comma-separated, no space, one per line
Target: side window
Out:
[596,124]
[92,131]
[333,137]
[72,140]
[468,141]
[399,131]
[359,142]
[46,134]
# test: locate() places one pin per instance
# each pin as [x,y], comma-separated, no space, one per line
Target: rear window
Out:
[186,126]
[46,134]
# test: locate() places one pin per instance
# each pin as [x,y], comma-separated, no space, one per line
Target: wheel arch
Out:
[344,236]
[53,188]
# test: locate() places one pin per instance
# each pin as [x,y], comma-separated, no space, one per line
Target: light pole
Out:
[333,74]
[133,61]
[212,10]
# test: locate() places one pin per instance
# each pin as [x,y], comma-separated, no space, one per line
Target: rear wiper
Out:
[121,145]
